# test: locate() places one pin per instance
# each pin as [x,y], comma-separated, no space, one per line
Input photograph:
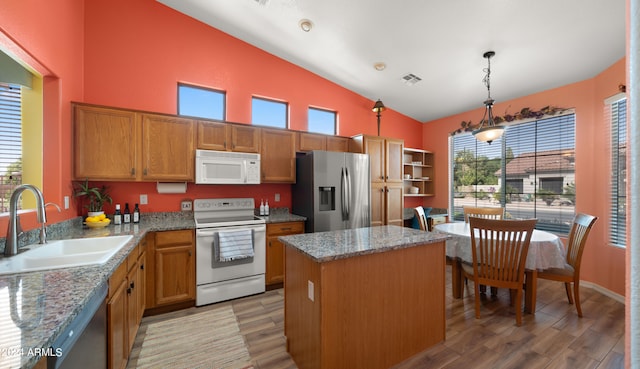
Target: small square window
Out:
[269,113]
[321,121]
[201,102]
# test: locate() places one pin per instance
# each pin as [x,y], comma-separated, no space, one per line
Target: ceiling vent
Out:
[262,2]
[410,79]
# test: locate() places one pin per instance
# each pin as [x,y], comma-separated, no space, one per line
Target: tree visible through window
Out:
[10,142]
[535,162]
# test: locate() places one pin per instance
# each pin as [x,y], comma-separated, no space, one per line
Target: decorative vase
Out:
[94,213]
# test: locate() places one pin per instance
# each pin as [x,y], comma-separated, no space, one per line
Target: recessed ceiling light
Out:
[379,66]
[262,2]
[305,25]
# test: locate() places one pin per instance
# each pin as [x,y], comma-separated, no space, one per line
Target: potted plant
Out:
[96,196]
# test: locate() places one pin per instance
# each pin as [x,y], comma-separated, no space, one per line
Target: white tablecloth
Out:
[545,250]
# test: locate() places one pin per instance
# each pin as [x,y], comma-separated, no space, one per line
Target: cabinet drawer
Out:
[169,238]
[285,228]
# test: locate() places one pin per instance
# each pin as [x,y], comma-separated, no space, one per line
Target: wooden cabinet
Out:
[105,143]
[119,144]
[228,137]
[125,305]
[168,149]
[275,249]
[385,157]
[418,166]
[278,156]
[171,278]
[314,141]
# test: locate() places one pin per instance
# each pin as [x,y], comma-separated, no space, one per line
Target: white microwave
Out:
[225,167]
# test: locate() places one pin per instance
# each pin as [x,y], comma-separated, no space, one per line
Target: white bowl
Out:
[414,190]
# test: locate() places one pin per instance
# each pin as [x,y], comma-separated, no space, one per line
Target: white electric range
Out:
[218,280]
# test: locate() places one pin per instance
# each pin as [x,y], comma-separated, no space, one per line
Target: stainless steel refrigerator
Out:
[332,190]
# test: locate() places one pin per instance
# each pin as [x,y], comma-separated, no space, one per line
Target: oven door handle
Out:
[205,232]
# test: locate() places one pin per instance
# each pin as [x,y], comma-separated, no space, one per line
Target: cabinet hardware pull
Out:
[286,229]
[131,285]
[142,266]
[144,172]
[225,144]
[269,243]
[133,171]
[189,252]
[128,291]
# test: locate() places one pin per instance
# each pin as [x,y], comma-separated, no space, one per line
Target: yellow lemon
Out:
[101,216]
[91,219]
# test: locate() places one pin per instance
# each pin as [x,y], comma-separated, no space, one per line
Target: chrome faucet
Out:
[15,230]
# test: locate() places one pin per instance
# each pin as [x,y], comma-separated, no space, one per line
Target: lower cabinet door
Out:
[117,328]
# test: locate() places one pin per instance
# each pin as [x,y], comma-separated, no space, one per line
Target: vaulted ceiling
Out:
[539,44]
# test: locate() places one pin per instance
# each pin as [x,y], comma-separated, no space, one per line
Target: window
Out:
[535,160]
[10,142]
[321,121]
[269,113]
[201,102]
[618,219]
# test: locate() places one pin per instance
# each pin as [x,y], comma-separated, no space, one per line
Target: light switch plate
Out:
[143,199]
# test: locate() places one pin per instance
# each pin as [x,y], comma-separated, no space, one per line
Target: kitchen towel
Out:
[235,245]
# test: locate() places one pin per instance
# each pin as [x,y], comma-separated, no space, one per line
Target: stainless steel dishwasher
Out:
[84,343]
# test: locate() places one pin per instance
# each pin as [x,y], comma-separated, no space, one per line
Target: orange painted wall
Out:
[132,54]
[602,264]
[137,52]
[48,35]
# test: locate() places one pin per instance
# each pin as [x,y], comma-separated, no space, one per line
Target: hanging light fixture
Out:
[378,108]
[488,130]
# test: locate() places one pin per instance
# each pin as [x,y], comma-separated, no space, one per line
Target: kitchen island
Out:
[363,298]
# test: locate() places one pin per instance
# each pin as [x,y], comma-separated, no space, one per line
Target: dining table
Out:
[546,250]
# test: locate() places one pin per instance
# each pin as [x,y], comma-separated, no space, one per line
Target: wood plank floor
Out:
[552,338]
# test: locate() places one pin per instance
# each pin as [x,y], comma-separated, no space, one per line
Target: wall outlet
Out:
[144,200]
[66,202]
[186,205]
[310,292]
[277,197]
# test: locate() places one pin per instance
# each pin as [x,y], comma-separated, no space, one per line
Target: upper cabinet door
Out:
[228,137]
[375,147]
[393,159]
[213,136]
[105,143]
[245,138]
[168,149]
[278,156]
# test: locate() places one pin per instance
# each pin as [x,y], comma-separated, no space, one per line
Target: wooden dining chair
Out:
[578,234]
[422,218]
[484,212]
[499,249]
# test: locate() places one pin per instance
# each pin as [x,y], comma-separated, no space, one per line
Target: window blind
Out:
[618,216]
[10,142]
[530,171]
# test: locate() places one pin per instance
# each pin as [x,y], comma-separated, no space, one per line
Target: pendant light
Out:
[488,130]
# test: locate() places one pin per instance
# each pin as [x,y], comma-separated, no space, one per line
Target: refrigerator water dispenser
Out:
[327,196]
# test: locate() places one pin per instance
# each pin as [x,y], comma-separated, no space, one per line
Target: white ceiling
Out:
[539,44]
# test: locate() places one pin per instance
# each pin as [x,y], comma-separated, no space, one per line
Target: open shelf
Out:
[418,166]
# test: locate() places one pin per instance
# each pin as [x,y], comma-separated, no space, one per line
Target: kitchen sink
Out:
[64,254]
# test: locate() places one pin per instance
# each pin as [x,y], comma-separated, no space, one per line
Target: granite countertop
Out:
[36,307]
[333,245]
[281,215]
